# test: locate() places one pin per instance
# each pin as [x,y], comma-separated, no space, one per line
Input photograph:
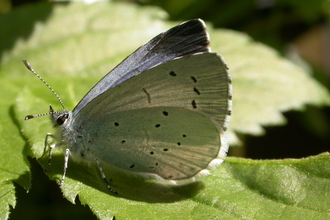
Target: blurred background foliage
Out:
[297,29]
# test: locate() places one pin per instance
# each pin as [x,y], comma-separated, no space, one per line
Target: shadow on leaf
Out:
[128,186]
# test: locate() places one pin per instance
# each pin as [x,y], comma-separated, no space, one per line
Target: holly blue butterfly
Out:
[161,113]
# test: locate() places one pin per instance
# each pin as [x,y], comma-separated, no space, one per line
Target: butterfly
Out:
[161,113]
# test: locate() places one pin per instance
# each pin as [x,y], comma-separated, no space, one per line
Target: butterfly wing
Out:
[167,121]
[170,142]
[187,38]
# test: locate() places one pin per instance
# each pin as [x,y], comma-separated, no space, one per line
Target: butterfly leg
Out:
[51,147]
[104,177]
[65,167]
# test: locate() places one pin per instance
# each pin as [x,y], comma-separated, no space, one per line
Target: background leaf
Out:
[265,84]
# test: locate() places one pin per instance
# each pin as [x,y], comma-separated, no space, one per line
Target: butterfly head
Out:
[58,117]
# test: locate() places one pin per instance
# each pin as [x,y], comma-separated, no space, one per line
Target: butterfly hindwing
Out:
[173,143]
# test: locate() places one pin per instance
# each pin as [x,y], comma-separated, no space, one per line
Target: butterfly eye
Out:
[62,118]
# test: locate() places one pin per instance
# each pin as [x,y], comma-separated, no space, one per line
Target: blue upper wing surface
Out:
[185,39]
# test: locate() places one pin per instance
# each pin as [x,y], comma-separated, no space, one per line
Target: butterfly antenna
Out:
[35,116]
[26,63]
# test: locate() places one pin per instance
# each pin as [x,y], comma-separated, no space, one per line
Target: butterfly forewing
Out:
[187,38]
[198,83]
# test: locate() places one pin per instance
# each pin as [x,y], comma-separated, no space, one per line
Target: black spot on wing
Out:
[196,91]
[193,103]
[172,73]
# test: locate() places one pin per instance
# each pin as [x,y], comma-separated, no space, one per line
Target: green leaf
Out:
[76,44]
[265,84]
[14,149]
